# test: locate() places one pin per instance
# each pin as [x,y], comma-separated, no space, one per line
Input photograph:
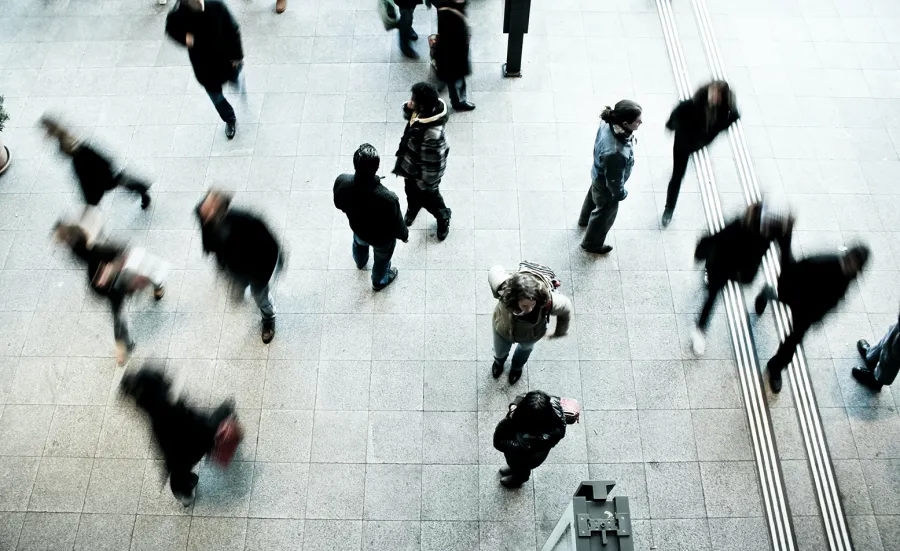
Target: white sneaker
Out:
[699,342]
[187,501]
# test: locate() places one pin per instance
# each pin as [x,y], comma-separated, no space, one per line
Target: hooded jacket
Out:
[736,251]
[423,151]
[217,40]
[373,210]
[613,160]
[451,52]
[243,245]
[533,326]
[524,449]
[813,286]
[695,126]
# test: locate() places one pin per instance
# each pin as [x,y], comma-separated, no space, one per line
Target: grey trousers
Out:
[599,212]
[884,372]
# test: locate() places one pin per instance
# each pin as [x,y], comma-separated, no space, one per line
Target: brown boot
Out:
[280,6]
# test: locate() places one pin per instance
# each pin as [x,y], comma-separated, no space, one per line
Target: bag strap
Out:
[457,12]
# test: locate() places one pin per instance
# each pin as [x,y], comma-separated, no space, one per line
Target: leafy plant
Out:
[3,116]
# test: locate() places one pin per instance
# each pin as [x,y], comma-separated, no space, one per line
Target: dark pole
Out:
[513,65]
[515,24]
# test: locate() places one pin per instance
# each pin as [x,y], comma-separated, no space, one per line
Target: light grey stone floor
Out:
[370,416]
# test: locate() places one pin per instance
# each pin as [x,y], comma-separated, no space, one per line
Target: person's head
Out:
[196,5]
[70,234]
[425,97]
[854,259]
[626,114]
[55,129]
[535,414]
[214,206]
[717,92]
[522,293]
[366,160]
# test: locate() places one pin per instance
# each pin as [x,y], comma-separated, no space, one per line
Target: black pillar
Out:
[515,24]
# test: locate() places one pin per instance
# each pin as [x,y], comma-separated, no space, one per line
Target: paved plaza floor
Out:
[370,416]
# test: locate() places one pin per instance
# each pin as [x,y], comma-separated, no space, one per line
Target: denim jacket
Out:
[613,160]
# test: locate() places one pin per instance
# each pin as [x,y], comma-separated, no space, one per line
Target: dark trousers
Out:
[120,330]
[133,185]
[404,28]
[598,212]
[680,158]
[457,90]
[182,480]
[785,352]
[226,112]
[712,293]
[884,372]
[382,263]
[429,199]
[521,467]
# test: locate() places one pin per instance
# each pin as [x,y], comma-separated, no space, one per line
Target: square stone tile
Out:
[674,490]
[264,534]
[496,502]
[403,536]
[395,437]
[347,445]
[722,435]
[874,431]
[217,533]
[17,481]
[60,485]
[607,385]
[730,489]
[660,385]
[450,386]
[279,490]
[104,532]
[74,431]
[667,436]
[398,337]
[883,484]
[226,492]
[450,438]
[602,337]
[290,384]
[662,327]
[24,429]
[740,534]
[613,436]
[393,492]
[284,435]
[48,531]
[336,390]
[115,486]
[336,491]
[160,532]
[452,492]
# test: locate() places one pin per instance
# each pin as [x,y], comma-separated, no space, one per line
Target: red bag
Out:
[228,436]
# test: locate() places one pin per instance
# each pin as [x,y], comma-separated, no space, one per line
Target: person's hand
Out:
[410,105]
[189,40]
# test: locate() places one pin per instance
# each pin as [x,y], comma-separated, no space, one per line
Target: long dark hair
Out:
[535,413]
[520,286]
[625,111]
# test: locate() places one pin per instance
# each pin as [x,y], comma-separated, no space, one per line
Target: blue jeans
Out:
[884,373]
[226,112]
[520,356]
[381,266]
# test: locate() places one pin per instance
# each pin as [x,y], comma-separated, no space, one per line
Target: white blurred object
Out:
[699,342]
[162,2]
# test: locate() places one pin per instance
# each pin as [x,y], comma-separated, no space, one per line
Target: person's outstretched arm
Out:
[496,277]
[562,309]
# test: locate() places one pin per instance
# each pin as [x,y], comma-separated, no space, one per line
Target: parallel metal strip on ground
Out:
[802,390]
[765,452]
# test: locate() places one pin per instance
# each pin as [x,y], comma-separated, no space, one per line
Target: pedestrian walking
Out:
[882,361]
[405,32]
[525,301]
[613,161]
[450,53]
[213,40]
[115,273]
[735,253]
[533,425]
[94,170]
[422,156]
[374,215]
[183,434]
[696,123]
[244,248]
[812,287]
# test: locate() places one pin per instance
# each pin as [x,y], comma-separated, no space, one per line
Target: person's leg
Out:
[413,201]
[381,266]
[433,202]
[263,297]
[405,32]
[874,352]
[886,372]
[785,352]
[712,292]
[680,158]
[587,207]
[520,357]
[360,252]
[601,221]
[501,352]
[457,91]
[124,344]
[226,112]
[135,186]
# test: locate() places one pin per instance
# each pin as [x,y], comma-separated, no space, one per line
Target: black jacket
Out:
[423,151]
[95,174]
[689,120]
[95,257]
[812,286]
[373,210]
[523,449]
[735,253]
[217,40]
[451,52]
[407,3]
[243,245]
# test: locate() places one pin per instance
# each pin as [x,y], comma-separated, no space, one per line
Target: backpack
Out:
[544,271]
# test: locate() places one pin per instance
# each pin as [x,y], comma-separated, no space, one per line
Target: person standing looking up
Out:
[374,215]
[213,40]
[422,156]
[696,123]
[534,424]
[613,161]
[451,52]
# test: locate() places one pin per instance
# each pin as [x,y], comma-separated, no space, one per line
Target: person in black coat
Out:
[213,40]
[812,287]
[245,248]
[696,122]
[105,263]
[94,170]
[533,425]
[374,214]
[405,31]
[184,434]
[735,253]
[451,51]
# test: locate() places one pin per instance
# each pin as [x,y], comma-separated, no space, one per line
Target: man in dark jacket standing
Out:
[213,40]
[422,156]
[696,122]
[404,26]
[812,287]
[374,215]
[245,248]
[534,424]
[882,360]
[451,52]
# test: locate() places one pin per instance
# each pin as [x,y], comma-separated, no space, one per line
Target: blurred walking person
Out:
[422,156]
[115,272]
[696,123]
[882,361]
[405,32]
[451,51]
[534,424]
[812,287]
[735,253]
[244,248]
[374,214]
[613,161]
[525,301]
[213,40]
[94,170]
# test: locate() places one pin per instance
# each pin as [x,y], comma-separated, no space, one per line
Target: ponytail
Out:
[625,111]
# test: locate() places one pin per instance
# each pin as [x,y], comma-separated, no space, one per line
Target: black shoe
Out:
[582,223]
[497,369]
[505,470]
[862,346]
[762,300]
[230,129]
[605,249]
[464,106]
[145,201]
[392,275]
[866,378]
[515,375]
[409,52]
[413,35]
[268,331]
[409,218]
[511,483]
[666,218]
[443,229]
[774,378]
